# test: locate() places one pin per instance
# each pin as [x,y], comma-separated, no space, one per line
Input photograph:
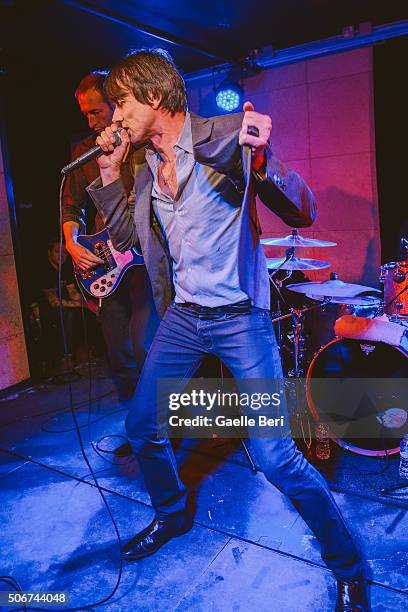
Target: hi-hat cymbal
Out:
[296,263]
[333,289]
[296,240]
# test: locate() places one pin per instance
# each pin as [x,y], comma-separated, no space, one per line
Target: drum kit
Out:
[320,355]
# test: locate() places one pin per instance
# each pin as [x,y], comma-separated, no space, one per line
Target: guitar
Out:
[104,279]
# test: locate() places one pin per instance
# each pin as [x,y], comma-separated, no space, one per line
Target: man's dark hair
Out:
[94,80]
[148,74]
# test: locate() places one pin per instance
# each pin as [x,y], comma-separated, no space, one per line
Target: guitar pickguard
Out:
[102,280]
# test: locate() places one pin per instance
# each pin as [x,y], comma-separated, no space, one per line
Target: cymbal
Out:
[367,300]
[295,263]
[332,288]
[296,240]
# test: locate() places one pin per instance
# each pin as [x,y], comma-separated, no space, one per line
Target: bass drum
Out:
[374,424]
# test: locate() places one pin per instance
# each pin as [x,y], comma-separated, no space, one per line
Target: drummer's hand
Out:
[110,164]
[257,143]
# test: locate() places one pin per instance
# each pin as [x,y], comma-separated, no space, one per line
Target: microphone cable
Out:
[9,579]
[14,584]
[95,446]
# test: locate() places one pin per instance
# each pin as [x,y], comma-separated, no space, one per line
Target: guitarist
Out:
[127,316]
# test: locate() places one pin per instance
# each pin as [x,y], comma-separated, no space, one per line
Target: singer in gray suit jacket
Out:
[195,222]
[215,144]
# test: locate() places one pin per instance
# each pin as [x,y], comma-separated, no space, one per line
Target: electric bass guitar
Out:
[104,279]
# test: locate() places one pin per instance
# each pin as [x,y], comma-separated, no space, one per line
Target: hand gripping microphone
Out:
[91,154]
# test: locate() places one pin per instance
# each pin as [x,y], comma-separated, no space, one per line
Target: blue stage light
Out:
[228,95]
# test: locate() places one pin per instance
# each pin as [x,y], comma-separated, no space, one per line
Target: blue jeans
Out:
[246,343]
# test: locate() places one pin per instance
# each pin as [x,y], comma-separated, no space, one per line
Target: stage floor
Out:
[249,549]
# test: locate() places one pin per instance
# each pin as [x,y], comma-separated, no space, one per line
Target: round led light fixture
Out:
[228,95]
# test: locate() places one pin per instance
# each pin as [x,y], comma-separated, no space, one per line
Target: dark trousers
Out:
[246,343]
[129,321]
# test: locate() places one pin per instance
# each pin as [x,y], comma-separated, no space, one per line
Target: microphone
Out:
[93,153]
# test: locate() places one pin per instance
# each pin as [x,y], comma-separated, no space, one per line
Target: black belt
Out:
[242,306]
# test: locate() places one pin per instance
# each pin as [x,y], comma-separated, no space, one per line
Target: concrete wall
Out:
[322,115]
[13,354]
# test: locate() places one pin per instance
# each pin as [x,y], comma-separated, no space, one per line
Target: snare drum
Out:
[374,423]
[394,275]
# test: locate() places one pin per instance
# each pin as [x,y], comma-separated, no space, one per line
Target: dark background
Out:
[390,113]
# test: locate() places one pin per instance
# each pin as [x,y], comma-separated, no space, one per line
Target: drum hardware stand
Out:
[297,316]
[298,358]
[277,285]
[297,338]
[244,445]
[396,488]
[404,485]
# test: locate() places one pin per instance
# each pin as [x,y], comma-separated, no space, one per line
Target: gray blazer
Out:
[215,144]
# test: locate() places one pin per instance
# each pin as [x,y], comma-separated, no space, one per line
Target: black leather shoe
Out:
[352,596]
[154,536]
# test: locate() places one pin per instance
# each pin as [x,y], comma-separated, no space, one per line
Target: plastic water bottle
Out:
[322,442]
[403,464]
